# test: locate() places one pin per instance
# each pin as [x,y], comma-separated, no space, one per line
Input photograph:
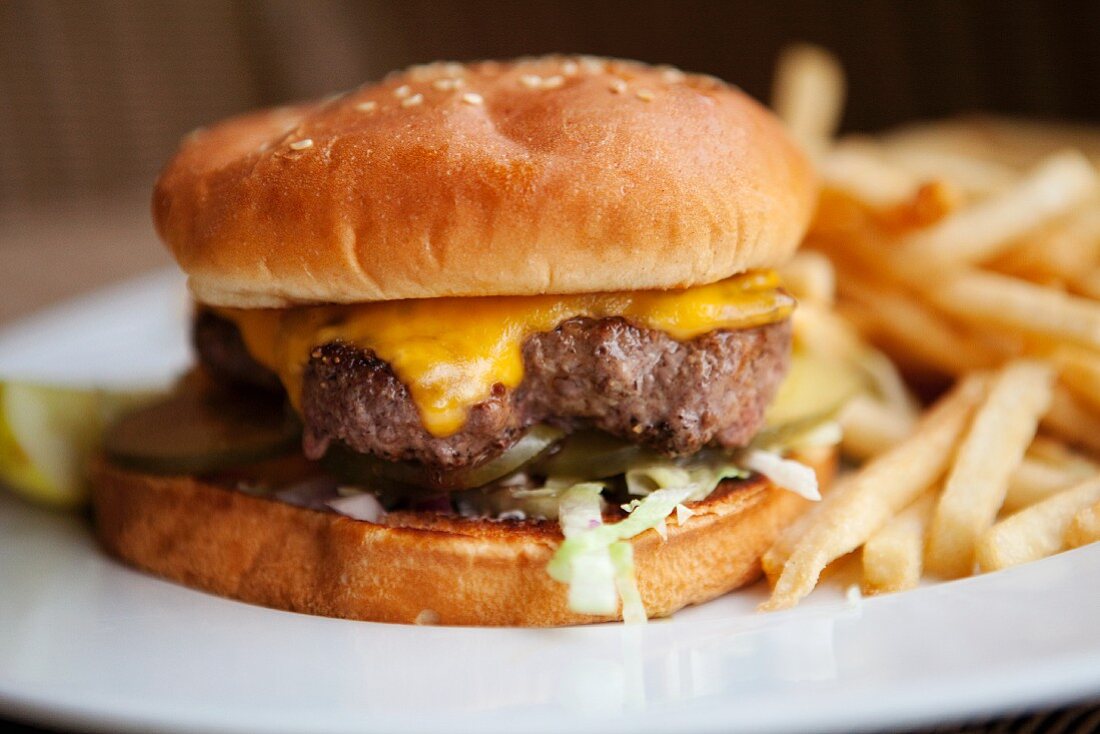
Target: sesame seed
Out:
[672,76]
[553,82]
[618,86]
[454,68]
[447,85]
[593,64]
[420,71]
[531,81]
[403,91]
[413,100]
[644,94]
[569,68]
[369,106]
[302,144]
[473,98]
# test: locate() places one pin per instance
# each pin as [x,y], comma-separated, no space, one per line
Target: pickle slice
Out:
[588,455]
[47,433]
[814,391]
[379,475]
[196,432]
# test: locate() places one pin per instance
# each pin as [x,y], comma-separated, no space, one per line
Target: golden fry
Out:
[1084,528]
[1060,252]
[1080,372]
[975,234]
[871,427]
[993,447]
[776,556]
[985,298]
[1033,481]
[1037,532]
[1014,143]
[1071,422]
[859,171]
[972,175]
[808,95]
[810,276]
[877,492]
[893,556]
[915,330]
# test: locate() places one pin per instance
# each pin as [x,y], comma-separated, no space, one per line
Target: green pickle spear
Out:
[47,434]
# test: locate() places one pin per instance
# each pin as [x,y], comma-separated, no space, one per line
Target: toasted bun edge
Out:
[433,569]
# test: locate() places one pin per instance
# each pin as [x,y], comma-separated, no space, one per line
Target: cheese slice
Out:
[450,352]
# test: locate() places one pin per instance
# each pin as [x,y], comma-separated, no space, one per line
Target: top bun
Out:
[551,175]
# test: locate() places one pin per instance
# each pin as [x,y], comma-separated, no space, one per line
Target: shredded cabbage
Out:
[580,559]
[626,582]
[592,573]
[683,514]
[786,473]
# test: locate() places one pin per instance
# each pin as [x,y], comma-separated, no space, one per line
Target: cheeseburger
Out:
[484,344]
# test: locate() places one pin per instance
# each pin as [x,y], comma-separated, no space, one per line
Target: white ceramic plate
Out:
[86,642]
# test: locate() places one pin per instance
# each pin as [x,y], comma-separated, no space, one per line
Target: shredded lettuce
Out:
[786,473]
[683,514]
[590,546]
[626,582]
[593,573]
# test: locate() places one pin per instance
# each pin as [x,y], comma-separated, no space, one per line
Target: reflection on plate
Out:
[84,641]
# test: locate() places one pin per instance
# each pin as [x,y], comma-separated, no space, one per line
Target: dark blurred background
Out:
[95,95]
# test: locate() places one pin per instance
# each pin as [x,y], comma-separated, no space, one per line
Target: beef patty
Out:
[639,384]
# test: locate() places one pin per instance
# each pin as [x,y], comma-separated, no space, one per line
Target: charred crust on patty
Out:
[639,384]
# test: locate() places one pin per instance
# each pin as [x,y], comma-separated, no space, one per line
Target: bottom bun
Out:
[420,567]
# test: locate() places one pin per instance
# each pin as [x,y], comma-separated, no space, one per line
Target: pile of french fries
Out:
[964,256]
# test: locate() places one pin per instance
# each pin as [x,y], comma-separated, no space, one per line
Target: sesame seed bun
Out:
[419,567]
[552,175]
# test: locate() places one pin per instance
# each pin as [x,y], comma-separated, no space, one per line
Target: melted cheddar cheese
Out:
[450,352]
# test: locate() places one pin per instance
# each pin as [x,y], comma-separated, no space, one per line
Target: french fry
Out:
[893,556]
[878,491]
[871,427]
[808,95]
[1084,528]
[1088,284]
[995,444]
[1037,532]
[956,247]
[1071,422]
[1033,481]
[974,176]
[1079,370]
[1058,184]
[776,556]
[888,383]
[1060,252]
[1018,144]
[1057,453]
[823,332]
[987,298]
[914,329]
[859,171]
[810,276]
